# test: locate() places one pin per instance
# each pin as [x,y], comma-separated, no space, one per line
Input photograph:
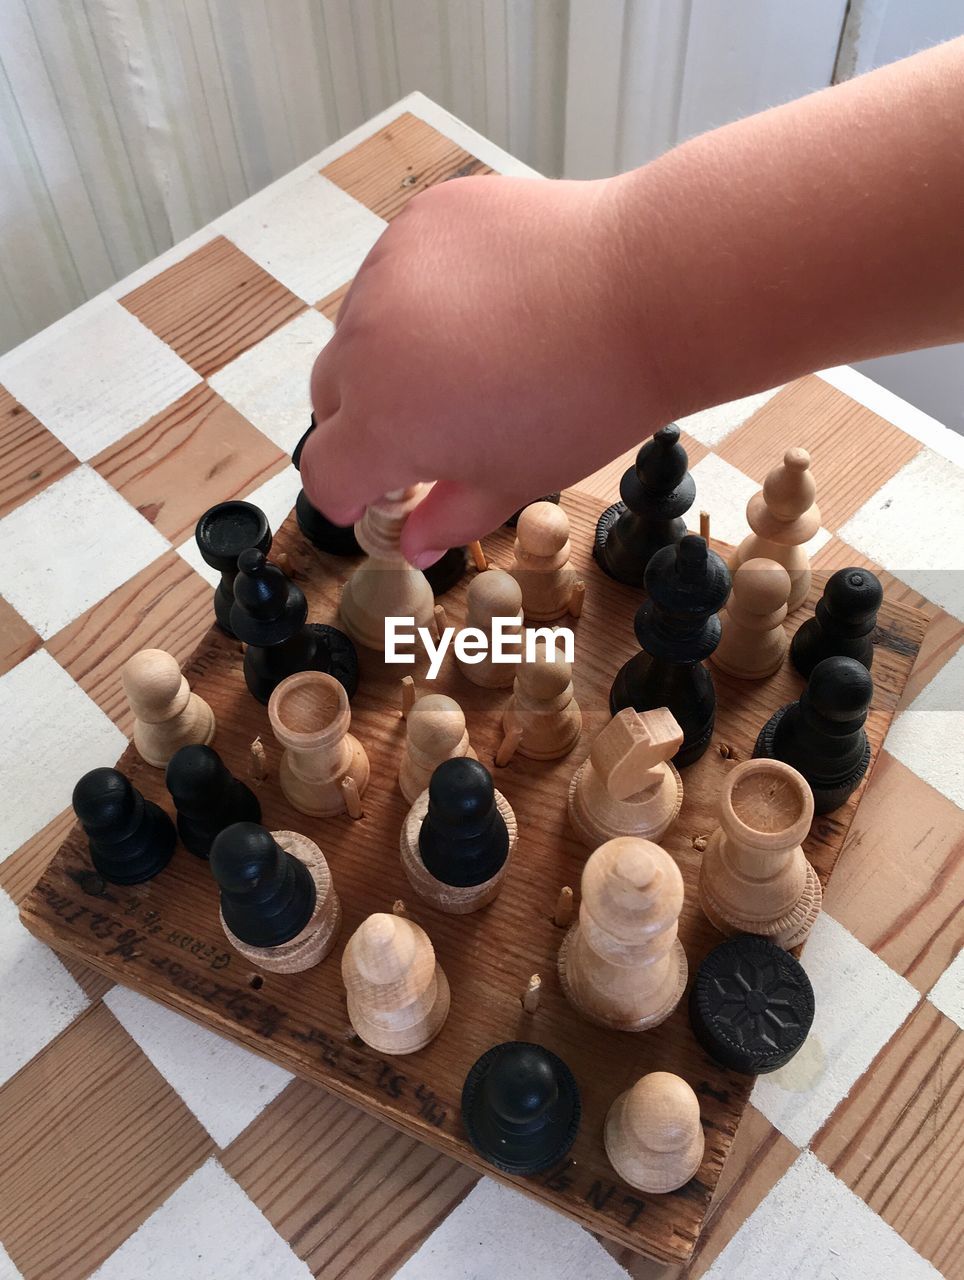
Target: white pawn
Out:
[493,594]
[167,714]
[653,1136]
[753,643]
[542,719]
[783,517]
[434,731]
[541,566]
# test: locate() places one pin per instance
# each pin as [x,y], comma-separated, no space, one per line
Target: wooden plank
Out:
[163,938]
[30,456]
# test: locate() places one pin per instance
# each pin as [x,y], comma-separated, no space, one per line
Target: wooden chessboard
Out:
[163,938]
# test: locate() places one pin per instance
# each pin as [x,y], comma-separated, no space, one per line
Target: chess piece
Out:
[385,585]
[621,964]
[822,735]
[541,565]
[279,908]
[167,714]
[754,877]
[310,718]
[131,838]
[627,787]
[447,572]
[336,539]
[221,534]
[398,995]
[458,838]
[677,628]
[513,520]
[542,720]
[655,494]
[521,1108]
[843,622]
[207,797]
[434,731]
[783,517]
[753,642]
[653,1135]
[751,1005]
[493,594]
[269,615]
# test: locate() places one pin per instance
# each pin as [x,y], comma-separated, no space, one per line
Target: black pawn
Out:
[336,539]
[751,1005]
[267,895]
[207,797]
[521,1108]
[222,533]
[677,627]
[269,616]
[822,735]
[131,838]
[463,840]
[446,573]
[843,622]
[656,492]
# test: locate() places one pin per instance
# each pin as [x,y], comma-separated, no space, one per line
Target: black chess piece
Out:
[267,895]
[677,627]
[207,797]
[131,838]
[222,533]
[446,573]
[269,616]
[822,735]
[336,539]
[521,1107]
[463,840]
[751,1005]
[513,520]
[655,493]
[843,621]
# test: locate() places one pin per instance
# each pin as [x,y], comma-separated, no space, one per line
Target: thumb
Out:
[450,515]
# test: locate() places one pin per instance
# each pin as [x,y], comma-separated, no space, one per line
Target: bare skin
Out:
[505,337]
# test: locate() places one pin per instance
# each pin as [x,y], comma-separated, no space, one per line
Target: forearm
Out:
[821,232]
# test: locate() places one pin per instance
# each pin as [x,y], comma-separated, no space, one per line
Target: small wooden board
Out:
[163,938]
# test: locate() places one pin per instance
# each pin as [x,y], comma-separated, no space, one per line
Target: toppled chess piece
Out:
[458,838]
[521,1107]
[621,964]
[753,642]
[653,1135]
[279,908]
[131,838]
[222,533]
[541,566]
[336,539]
[843,622]
[783,517]
[677,627]
[434,731]
[542,719]
[656,492]
[751,1005]
[167,714]
[493,594]
[398,995]
[822,735]
[324,769]
[627,786]
[754,877]
[270,616]
[207,797]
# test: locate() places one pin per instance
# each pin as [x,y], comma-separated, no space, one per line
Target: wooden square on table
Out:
[30,456]
[18,640]
[212,305]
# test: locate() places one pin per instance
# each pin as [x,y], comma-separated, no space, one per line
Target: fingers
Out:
[451,515]
[344,468]
[325,390]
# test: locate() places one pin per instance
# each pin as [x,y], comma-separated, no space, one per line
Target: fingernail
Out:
[426,558]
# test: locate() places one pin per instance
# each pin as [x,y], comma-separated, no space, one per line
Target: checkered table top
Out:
[136,1143]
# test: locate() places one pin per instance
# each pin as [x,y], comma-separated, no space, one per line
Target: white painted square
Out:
[927,736]
[860,1003]
[912,526]
[224,1085]
[496,1231]
[95,376]
[812,1227]
[208,1228]
[7,1270]
[310,235]
[947,993]
[54,734]
[38,997]
[270,383]
[72,544]
[711,426]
